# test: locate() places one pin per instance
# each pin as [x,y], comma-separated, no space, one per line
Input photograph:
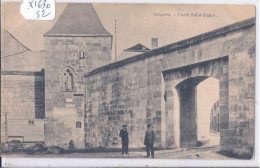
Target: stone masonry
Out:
[140,90]
[22,106]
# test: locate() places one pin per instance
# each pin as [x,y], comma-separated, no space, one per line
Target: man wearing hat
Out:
[149,141]
[124,138]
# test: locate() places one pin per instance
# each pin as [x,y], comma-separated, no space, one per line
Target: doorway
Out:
[197,96]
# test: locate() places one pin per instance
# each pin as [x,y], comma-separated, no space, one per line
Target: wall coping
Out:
[193,65]
[178,45]
[24,73]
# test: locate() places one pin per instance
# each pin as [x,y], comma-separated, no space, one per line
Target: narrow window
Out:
[82,55]
[78,124]
[31,123]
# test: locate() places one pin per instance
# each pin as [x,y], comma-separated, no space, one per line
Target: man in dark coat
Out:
[124,138]
[149,141]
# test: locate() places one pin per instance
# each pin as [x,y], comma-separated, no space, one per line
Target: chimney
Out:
[154,43]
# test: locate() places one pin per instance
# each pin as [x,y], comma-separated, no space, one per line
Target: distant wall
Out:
[22,105]
[214,117]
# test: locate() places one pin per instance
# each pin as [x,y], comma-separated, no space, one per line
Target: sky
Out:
[136,23]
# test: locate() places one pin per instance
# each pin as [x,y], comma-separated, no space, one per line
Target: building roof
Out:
[132,51]
[78,19]
[138,48]
[17,57]
[127,54]
[10,45]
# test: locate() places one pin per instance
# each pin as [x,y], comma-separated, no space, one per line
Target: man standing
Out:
[149,141]
[124,138]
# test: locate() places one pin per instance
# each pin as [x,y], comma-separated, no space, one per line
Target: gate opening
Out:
[197,112]
[208,112]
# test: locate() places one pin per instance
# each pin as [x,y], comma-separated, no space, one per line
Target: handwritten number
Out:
[40,4]
[43,12]
[43,4]
[31,4]
[37,13]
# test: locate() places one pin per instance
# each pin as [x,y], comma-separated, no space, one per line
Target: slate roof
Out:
[138,48]
[10,45]
[127,54]
[78,19]
[17,57]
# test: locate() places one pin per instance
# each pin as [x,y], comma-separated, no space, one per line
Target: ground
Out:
[196,153]
[208,149]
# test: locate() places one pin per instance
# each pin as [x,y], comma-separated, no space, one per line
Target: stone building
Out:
[87,98]
[74,46]
[22,92]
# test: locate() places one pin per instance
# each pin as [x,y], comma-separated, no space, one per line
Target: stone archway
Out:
[184,80]
[188,111]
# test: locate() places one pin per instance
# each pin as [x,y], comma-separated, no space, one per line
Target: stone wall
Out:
[214,117]
[241,92]
[118,97]
[65,106]
[134,91]
[22,105]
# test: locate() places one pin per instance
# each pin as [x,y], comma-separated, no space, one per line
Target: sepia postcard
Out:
[128,81]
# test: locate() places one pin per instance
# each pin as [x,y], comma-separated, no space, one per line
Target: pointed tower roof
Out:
[78,19]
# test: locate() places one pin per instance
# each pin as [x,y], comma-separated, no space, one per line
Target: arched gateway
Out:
[183,122]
